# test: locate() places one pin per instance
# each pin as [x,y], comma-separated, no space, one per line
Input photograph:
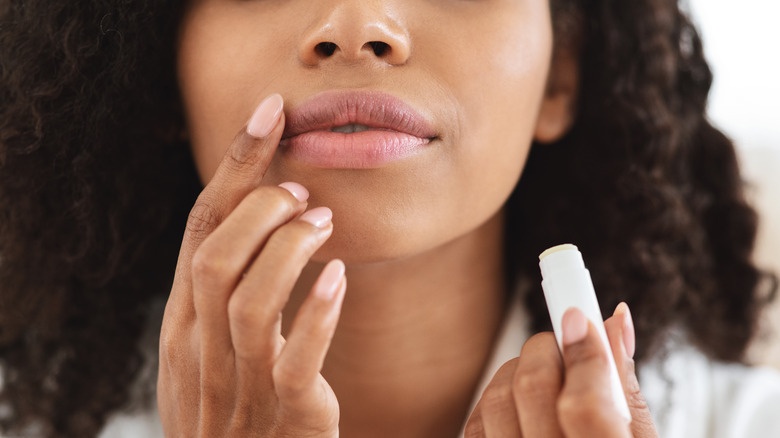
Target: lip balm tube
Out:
[567,283]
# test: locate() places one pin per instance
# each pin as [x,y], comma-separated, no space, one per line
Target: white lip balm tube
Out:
[567,283]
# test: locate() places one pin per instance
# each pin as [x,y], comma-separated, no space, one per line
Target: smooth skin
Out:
[260,337]
[225,369]
[544,394]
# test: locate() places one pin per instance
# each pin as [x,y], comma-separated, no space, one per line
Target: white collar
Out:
[511,337]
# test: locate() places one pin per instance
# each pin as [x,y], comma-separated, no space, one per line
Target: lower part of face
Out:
[475,70]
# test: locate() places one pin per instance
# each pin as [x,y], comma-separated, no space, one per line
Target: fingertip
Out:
[341,290]
[266,116]
[628,332]
[343,282]
[320,217]
[298,191]
[331,280]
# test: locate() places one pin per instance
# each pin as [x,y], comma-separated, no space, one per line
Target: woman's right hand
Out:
[225,369]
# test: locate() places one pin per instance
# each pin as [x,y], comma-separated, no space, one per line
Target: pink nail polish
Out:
[574,325]
[265,116]
[330,279]
[319,217]
[296,189]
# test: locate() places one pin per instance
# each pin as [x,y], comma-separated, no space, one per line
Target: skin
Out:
[256,48]
[250,344]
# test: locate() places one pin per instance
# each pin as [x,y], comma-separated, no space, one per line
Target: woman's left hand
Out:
[541,394]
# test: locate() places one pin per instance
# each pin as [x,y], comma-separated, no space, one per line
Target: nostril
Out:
[326,49]
[379,47]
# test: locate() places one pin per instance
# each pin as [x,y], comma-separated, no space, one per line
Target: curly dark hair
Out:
[96,184]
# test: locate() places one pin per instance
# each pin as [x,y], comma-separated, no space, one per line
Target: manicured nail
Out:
[265,116]
[296,189]
[330,280]
[319,217]
[574,325]
[629,336]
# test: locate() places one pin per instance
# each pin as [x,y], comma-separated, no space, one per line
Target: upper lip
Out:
[375,109]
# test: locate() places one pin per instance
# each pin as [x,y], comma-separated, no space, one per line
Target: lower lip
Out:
[359,150]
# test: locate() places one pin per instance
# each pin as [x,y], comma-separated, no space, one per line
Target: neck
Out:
[414,336]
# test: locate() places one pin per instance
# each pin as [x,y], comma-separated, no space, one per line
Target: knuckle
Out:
[539,372]
[170,337]
[295,239]
[242,313]
[203,218]
[583,409]
[634,397]
[243,156]
[208,264]
[275,201]
[636,401]
[584,353]
[535,382]
[167,343]
[173,349]
[288,381]
[497,397]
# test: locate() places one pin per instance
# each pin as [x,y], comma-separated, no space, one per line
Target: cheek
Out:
[223,74]
[499,90]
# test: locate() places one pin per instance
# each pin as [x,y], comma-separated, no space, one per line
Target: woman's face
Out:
[473,71]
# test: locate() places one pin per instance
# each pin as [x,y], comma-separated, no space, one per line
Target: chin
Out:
[369,245]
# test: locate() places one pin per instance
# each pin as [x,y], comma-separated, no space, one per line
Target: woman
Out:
[436,148]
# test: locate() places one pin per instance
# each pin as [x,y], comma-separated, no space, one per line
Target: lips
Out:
[355,129]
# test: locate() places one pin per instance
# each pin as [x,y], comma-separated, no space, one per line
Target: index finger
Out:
[537,383]
[495,414]
[242,168]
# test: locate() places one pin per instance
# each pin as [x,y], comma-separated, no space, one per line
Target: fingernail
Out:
[265,116]
[296,189]
[330,280]
[319,217]
[629,336]
[574,326]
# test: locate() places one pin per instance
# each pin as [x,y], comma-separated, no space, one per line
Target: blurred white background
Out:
[742,43]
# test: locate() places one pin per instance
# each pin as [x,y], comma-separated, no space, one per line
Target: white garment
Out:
[689,395]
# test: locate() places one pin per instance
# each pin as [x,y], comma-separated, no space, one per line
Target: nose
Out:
[355,31]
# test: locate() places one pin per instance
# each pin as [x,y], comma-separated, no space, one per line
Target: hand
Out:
[225,369]
[541,394]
